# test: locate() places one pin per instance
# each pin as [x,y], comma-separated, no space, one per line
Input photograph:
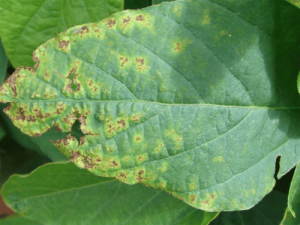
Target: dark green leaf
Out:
[16,220]
[3,63]
[26,24]
[202,113]
[269,211]
[136,4]
[15,159]
[155,2]
[64,194]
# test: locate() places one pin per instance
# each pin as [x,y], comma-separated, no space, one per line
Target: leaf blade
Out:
[176,114]
[115,202]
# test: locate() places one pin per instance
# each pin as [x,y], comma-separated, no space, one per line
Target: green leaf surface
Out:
[26,24]
[136,4]
[295,3]
[17,220]
[202,113]
[269,211]
[294,194]
[61,193]
[289,219]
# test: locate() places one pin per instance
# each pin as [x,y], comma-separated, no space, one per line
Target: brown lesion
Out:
[140,18]
[63,44]
[82,140]
[123,175]
[111,128]
[178,47]
[139,177]
[74,155]
[193,198]
[140,63]
[136,118]
[122,122]
[110,23]
[124,60]
[20,115]
[36,59]
[68,138]
[11,82]
[126,20]
[87,162]
[138,138]
[73,85]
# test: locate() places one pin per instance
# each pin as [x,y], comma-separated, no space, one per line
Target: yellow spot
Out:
[218,159]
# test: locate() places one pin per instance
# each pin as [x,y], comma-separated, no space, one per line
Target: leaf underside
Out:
[197,98]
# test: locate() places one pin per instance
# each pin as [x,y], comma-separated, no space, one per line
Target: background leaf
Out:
[203,113]
[269,211]
[289,219]
[294,194]
[136,4]
[15,159]
[155,2]
[26,24]
[64,194]
[3,63]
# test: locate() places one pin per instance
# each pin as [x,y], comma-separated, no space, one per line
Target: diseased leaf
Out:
[87,199]
[40,144]
[294,194]
[26,24]
[17,220]
[202,113]
[295,3]
[269,211]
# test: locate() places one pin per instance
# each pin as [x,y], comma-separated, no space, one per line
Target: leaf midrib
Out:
[252,107]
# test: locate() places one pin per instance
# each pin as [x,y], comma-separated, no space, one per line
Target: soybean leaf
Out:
[289,219]
[87,199]
[17,220]
[136,4]
[26,24]
[269,211]
[294,195]
[202,113]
